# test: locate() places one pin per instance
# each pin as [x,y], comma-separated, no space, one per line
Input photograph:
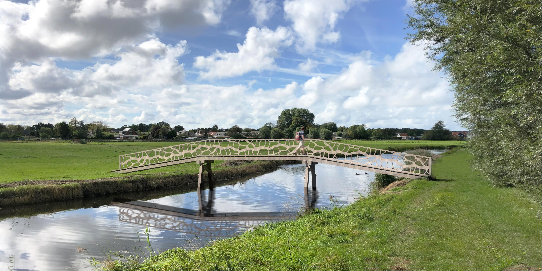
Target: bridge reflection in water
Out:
[204,222]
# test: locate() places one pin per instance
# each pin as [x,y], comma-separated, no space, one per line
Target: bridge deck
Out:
[301,158]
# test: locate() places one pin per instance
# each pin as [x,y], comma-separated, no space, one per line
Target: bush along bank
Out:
[83,189]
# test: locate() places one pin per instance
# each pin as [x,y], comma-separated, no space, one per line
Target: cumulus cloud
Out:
[82,29]
[402,91]
[314,20]
[257,53]
[139,68]
[148,64]
[262,10]
[38,31]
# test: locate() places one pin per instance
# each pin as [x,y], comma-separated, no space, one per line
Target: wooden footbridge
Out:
[317,151]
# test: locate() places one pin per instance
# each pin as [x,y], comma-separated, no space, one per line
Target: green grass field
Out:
[401,145]
[66,160]
[459,222]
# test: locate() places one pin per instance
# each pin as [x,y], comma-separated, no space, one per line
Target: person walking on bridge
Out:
[300,136]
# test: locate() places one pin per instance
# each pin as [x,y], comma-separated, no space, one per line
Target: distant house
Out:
[128,133]
[212,134]
[460,134]
[221,134]
[200,133]
[403,136]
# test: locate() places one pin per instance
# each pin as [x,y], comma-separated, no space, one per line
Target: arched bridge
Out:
[318,151]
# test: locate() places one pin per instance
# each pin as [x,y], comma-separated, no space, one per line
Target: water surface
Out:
[70,239]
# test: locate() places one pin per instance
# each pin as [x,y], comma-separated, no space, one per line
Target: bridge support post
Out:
[205,166]
[310,168]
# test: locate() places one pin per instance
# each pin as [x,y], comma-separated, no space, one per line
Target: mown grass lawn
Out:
[65,160]
[68,161]
[401,145]
[460,222]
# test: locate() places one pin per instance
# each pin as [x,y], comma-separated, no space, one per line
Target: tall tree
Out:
[235,132]
[294,118]
[332,126]
[265,132]
[438,132]
[491,51]
[62,129]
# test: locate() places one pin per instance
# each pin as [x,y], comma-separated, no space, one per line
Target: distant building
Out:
[221,134]
[460,134]
[403,136]
[128,133]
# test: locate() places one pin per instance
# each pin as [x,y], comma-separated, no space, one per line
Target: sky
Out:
[197,63]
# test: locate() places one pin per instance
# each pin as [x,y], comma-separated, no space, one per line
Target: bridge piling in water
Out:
[310,170]
[205,165]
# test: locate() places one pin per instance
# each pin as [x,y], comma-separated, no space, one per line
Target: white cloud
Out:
[401,91]
[148,64]
[257,53]
[71,30]
[262,9]
[314,20]
[234,33]
[308,65]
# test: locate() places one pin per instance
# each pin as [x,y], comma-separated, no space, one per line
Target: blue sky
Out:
[203,62]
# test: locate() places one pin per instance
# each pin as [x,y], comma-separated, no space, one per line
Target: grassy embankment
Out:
[68,161]
[460,222]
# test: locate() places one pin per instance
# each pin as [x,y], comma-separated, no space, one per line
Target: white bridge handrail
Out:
[320,149]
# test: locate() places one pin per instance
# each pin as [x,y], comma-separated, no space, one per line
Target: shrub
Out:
[383,180]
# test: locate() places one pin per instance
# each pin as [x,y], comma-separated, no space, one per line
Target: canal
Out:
[70,239]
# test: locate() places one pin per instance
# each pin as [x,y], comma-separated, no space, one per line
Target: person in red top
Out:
[301,139]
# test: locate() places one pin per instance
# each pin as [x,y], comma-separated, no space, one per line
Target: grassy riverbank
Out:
[460,222]
[68,161]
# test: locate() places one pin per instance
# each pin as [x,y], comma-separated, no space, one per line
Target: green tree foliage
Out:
[265,132]
[289,133]
[36,128]
[325,133]
[276,133]
[438,132]
[214,128]
[332,126]
[295,118]
[179,128]
[78,129]
[142,127]
[492,53]
[314,132]
[356,132]
[46,132]
[155,132]
[99,129]
[235,132]
[62,129]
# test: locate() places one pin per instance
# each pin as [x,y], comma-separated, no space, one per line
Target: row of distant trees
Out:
[75,129]
[288,123]
[64,130]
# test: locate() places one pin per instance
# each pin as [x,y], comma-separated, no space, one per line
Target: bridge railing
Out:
[322,149]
